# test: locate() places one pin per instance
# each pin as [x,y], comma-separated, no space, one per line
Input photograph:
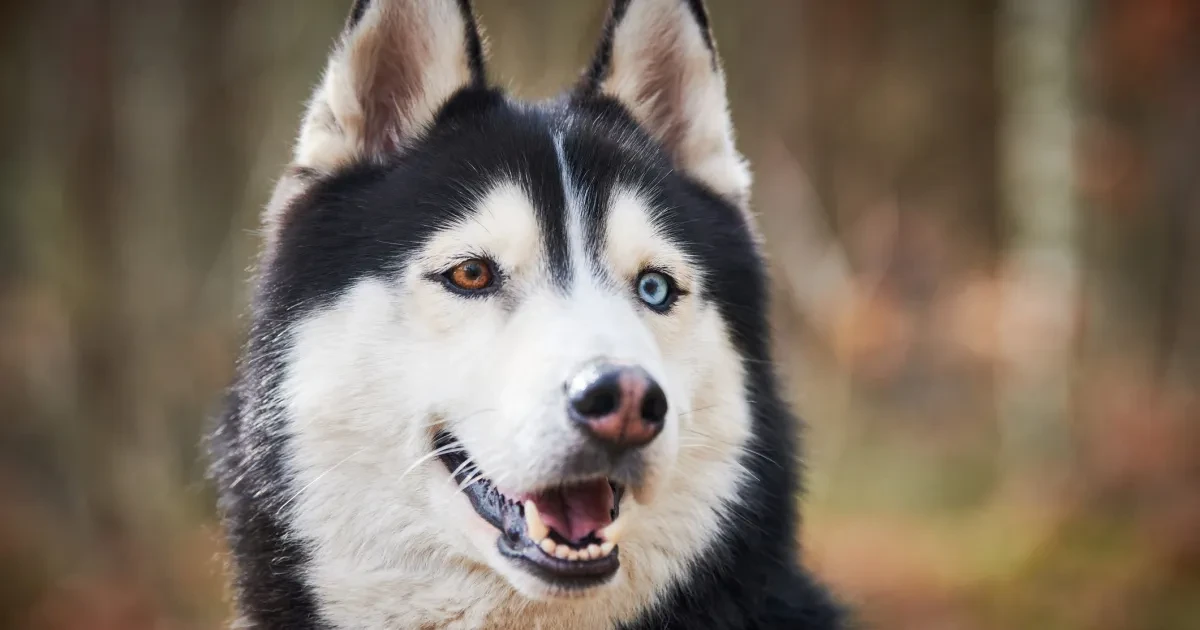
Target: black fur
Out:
[602,59]
[269,564]
[474,45]
[356,13]
[365,221]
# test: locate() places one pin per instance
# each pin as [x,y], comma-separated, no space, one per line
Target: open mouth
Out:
[564,535]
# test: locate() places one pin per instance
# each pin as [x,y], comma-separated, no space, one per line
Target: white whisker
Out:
[315,480]
[470,482]
[437,452]
[467,462]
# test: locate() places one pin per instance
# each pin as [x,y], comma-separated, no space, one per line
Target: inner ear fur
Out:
[396,63]
[657,58]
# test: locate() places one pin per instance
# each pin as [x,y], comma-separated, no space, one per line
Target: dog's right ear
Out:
[395,65]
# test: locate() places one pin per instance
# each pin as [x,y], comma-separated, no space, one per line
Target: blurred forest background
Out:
[984,225]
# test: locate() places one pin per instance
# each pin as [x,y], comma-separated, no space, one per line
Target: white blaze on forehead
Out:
[503,227]
[580,264]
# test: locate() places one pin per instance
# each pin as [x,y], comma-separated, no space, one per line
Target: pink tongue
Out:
[576,511]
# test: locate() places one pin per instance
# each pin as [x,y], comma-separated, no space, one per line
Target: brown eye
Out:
[471,275]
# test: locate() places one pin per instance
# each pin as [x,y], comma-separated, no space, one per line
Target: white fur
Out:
[394,544]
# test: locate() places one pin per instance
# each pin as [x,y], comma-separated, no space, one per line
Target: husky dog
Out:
[509,363]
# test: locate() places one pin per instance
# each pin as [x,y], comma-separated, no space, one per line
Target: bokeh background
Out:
[983,218]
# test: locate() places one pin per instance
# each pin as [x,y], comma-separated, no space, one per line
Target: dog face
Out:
[505,341]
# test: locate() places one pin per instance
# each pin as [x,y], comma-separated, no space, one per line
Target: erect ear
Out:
[394,66]
[657,58]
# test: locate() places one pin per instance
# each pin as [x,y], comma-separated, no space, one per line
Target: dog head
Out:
[506,337]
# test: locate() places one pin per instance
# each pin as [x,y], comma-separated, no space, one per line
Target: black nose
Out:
[621,406]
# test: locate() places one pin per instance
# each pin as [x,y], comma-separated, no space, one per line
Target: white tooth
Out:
[534,526]
[573,556]
[562,551]
[548,546]
[606,548]
[612,533]
[593,551]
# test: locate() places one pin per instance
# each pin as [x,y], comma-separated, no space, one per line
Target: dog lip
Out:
[508,516]
[571,575]
[488,502]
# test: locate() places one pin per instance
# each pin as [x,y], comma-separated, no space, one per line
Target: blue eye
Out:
[655,289]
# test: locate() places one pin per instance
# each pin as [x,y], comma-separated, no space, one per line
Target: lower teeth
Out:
[539,533]
[564,551]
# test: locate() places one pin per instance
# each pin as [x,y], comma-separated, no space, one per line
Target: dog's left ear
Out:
[657,58]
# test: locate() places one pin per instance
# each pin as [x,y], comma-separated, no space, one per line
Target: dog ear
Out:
[396,63]
[657,58]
